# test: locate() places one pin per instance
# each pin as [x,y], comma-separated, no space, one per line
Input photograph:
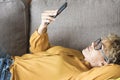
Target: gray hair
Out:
[113,49]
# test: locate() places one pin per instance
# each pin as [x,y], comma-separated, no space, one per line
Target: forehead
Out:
[98,40]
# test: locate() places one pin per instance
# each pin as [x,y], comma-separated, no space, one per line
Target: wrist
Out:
[42,29]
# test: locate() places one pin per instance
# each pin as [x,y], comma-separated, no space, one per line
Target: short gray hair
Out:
[114,48]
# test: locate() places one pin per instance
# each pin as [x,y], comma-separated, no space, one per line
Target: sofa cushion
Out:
[82,22]
[14,26]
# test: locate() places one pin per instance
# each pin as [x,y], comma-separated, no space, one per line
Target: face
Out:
[94,55]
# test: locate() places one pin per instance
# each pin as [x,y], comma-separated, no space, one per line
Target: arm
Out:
[39,39]
[101,73]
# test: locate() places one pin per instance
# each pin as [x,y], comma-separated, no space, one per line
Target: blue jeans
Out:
[5,62]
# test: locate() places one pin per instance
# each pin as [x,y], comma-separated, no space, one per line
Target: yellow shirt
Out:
[57,63]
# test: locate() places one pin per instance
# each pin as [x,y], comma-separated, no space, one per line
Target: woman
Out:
[100,61]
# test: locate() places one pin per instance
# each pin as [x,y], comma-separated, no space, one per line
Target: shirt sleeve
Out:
[100,73]
[39,42]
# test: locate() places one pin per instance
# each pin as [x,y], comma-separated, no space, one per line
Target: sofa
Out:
[82,22]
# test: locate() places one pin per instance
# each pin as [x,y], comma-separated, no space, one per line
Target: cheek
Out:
[90,55]
[94,55]
[96,58]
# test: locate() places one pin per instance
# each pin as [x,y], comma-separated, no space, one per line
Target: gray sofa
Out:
[82,22]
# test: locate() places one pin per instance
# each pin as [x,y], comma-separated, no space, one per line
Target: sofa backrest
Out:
[82,22]
[14,28]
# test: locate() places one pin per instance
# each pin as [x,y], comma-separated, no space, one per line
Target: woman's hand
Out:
[46,18]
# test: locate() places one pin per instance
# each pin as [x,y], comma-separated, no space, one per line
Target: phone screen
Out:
[61,9]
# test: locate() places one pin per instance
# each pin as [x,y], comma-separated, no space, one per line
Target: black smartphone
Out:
[61,9]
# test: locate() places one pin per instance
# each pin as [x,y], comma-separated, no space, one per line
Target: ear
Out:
[102,63]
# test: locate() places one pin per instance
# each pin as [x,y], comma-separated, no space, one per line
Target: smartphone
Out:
[61,9]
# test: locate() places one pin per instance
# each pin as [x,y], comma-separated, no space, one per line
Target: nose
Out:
[92,45]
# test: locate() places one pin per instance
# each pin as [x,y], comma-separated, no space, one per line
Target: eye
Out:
[97,44]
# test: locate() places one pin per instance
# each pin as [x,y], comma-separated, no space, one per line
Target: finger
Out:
[47,21]
[48,14]
[50,20]
[51,12]
[48,17]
